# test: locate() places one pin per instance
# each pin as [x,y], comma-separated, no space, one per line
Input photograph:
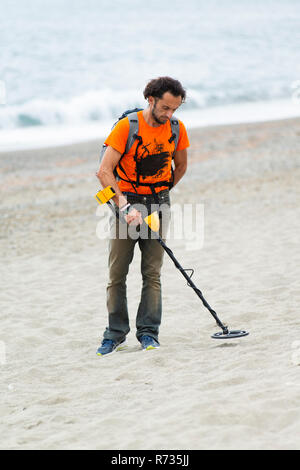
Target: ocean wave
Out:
[48,136]
[107,104]
[87,108]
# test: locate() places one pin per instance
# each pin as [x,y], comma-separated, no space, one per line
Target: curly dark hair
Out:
[158,86]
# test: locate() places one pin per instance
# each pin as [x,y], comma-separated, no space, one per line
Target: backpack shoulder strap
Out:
[175,130]
[133,130]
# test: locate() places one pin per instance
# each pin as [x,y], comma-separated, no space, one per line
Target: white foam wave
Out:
[80,110]
[100,106]
[76,124]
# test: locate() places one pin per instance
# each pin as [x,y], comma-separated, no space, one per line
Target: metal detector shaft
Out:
[184,273]
[191,284]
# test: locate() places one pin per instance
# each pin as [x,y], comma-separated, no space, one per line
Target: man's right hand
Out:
[134,217]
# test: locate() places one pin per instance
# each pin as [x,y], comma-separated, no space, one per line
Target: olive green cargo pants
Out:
[123,239]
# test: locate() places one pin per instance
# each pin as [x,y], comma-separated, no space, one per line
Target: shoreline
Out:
[191,132]
[36,138]
[77,163]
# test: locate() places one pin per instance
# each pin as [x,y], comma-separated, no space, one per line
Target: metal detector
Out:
[104,197]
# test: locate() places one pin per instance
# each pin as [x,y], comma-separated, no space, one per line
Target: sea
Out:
[69,68]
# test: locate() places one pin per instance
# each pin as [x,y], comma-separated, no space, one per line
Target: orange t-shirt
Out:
[154,154]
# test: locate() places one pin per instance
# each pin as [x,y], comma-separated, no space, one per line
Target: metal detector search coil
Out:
[230,335]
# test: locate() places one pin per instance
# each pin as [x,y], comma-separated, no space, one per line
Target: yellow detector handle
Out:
[105,195]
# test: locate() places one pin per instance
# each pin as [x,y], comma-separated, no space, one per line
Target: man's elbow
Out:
[102,174]
[99,174]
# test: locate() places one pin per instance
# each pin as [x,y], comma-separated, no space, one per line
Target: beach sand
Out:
[194,392]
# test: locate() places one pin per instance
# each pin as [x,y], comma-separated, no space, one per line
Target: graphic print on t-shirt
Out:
[153,164]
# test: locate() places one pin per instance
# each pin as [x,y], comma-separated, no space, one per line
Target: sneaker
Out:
[108,346]
[148,343]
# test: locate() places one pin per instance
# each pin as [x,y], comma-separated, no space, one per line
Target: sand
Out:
[194,392]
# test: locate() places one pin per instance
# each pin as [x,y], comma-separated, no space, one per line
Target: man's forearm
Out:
[179,171]
[107,178]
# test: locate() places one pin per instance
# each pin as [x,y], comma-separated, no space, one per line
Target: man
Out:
[144,177]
